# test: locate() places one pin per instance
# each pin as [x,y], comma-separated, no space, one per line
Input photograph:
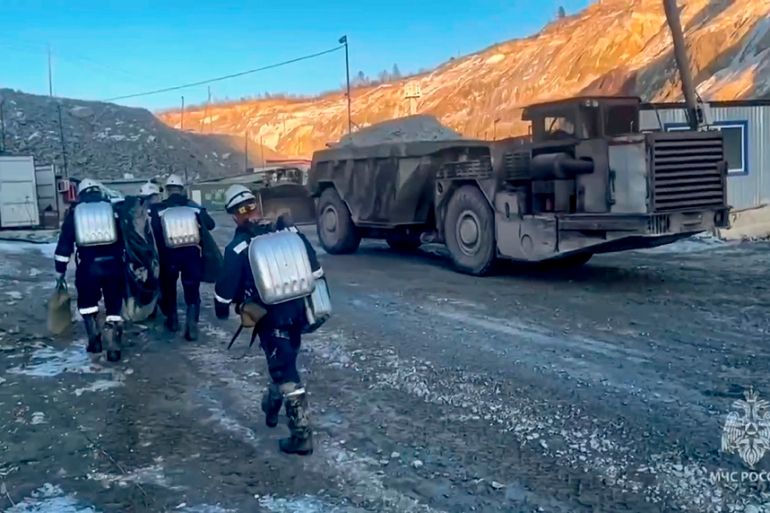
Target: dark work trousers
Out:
[101,277]
[188,263]
[281,347]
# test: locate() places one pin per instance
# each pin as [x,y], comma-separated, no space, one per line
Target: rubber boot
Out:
[94,337]
[172,320]
[272,400]
[191,322]
[113,333]
[301,439]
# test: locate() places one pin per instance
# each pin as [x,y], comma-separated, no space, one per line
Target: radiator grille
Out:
[516,165]
[686,171]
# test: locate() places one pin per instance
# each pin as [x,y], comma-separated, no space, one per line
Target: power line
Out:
[77,60]
[225,77]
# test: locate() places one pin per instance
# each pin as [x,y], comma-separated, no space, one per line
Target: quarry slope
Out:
[612,47]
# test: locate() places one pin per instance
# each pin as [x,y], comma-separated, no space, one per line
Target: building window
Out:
[735,135]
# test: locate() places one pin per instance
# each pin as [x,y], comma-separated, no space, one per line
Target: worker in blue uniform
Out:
[185,261]
[91,228]
[279,326]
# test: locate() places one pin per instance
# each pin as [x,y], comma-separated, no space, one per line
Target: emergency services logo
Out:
[747,430]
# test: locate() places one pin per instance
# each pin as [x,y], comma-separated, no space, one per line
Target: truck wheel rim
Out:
[468,232]
[330,219]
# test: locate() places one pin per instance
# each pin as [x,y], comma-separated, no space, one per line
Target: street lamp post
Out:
[344,40]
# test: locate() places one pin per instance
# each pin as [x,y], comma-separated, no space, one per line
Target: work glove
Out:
[251,314]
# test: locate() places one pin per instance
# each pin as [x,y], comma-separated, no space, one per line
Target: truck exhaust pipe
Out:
[558,166]
[694,112]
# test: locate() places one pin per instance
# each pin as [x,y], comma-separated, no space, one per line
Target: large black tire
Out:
[336,231]
[469,231]
[403,243]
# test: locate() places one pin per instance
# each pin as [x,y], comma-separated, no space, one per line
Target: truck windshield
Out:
[621,119]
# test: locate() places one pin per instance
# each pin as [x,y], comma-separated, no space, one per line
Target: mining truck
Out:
[584,181]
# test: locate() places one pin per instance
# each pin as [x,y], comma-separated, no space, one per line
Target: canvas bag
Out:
[59,308]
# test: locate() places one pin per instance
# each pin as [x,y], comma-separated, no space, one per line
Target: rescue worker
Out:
[279,326]
[186,261]
[91,225]
[150,194]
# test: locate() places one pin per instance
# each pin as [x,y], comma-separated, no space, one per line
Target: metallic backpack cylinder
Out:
[180,227]
[318,305]
[280,266]
[95,224]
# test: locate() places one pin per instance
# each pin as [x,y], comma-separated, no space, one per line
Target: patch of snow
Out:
[146,475]
[219,416]
[14,294]
[203,508]
[215,332]
[48,362]
[18,248]
[50,499]
[100,385]
[694,244]
[305,504]
[38,417]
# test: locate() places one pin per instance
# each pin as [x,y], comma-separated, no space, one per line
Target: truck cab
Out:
[583,118]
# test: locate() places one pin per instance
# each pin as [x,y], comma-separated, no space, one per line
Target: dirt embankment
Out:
[481,95]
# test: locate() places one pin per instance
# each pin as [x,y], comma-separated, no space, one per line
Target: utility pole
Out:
[344,40]
[2,125]
[206,117]
[50,79]
[246,151]
[181,122]
[61,138]
[262,149]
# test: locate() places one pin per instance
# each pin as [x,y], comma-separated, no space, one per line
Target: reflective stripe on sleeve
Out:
[222,300]
[60,258]
[88,311]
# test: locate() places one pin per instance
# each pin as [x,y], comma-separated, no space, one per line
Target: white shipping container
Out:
[18,193]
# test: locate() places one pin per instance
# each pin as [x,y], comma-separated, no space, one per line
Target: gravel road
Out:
[603,389]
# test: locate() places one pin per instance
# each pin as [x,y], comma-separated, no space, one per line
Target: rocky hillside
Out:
[106,141]
[612,47]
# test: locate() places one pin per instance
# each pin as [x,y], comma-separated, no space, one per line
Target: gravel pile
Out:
[408,129]
[108,141]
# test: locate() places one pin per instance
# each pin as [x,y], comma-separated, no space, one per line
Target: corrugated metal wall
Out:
[744,190]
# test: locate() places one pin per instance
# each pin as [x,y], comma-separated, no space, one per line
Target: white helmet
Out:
[236,194]
[148,189]
[88,183]
[174,180]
